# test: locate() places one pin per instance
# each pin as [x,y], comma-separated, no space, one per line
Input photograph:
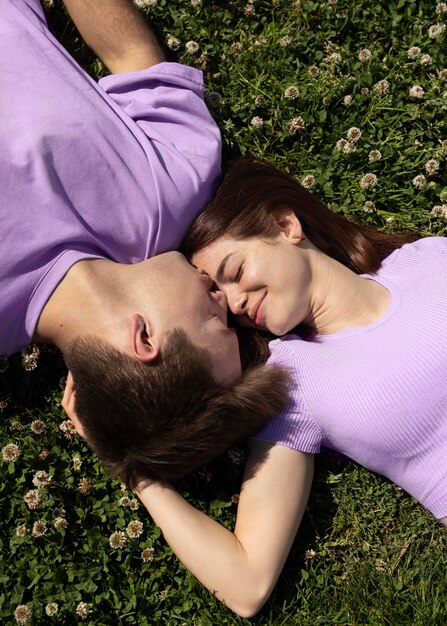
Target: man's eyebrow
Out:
[221,269]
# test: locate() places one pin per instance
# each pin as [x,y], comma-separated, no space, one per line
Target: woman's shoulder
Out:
[282,350]
[420,254]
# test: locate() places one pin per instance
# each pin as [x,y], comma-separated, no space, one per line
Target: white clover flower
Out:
[375,155]
[173,43]
[334,57]
[117,540]
[135,529]
[441,7]
[249,10]
[432,166]
[192,47]
[413,52]
[368,181]
[124,501]
[77,463]
[39,529]
[32,498]
[85,486]
[419,181]
[236,47]
[259,100]
[382,87]
[3,404]
[436,30]
[257,122]
[196,3]
[343,145]
[295,125]
[426,59]
[51,609]
[83,609]
[285,41]
[364,90]
[23,614]
[68,428]
[4,364]
[416,92]
[30,357]
[60,523]
[365,55]
[41,479]
[354,134]
[21,530]
[292,92]
[313,71]
[369,207]
[37,426]
[440,210]
[330,46]
[308,181]
[347,101]
[134,505]
[327,100]
[11,452]
[145,3]
[147,555]
[442,74]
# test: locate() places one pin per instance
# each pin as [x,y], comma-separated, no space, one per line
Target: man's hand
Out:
[68,404]
[117,32]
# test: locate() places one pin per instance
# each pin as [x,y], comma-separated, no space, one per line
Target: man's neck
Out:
[85,302]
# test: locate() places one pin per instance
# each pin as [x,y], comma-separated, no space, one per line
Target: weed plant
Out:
[350,96]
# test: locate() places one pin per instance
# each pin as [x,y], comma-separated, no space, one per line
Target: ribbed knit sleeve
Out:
[293,428]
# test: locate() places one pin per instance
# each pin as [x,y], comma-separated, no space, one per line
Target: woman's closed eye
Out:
[239,272]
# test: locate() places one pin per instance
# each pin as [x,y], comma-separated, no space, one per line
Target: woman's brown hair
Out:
[253,191]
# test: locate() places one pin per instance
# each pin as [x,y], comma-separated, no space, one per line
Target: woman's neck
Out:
[342,299]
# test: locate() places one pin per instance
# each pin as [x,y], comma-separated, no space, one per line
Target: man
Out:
[96,180]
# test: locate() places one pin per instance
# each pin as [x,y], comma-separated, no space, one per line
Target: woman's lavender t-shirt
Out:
[378,394]
[113,170]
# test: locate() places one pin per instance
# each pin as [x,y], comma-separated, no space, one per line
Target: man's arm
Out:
[117,32]
[241,568]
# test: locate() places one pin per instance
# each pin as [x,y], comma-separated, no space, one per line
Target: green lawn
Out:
[286,80]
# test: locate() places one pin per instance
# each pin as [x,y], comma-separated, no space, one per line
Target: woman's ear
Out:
[289,226]
[145,345]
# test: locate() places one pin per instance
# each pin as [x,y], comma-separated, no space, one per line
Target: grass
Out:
[366,553]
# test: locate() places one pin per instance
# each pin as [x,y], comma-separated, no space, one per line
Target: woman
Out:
[368,368]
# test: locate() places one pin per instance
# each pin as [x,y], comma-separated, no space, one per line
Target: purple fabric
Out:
[112,170]
[378,394]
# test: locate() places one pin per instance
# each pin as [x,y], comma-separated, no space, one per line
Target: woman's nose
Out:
[237,303]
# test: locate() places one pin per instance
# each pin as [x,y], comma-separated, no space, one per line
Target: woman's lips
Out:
[258,313]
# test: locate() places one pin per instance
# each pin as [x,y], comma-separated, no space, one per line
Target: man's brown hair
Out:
[161,421]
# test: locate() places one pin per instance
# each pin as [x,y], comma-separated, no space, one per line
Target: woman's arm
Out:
[241,568]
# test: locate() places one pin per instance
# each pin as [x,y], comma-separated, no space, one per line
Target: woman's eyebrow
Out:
[221,269]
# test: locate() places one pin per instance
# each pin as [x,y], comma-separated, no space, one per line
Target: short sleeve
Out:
[294,427]
[166,101]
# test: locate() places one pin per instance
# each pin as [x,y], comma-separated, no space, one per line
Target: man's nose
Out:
[220,298]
